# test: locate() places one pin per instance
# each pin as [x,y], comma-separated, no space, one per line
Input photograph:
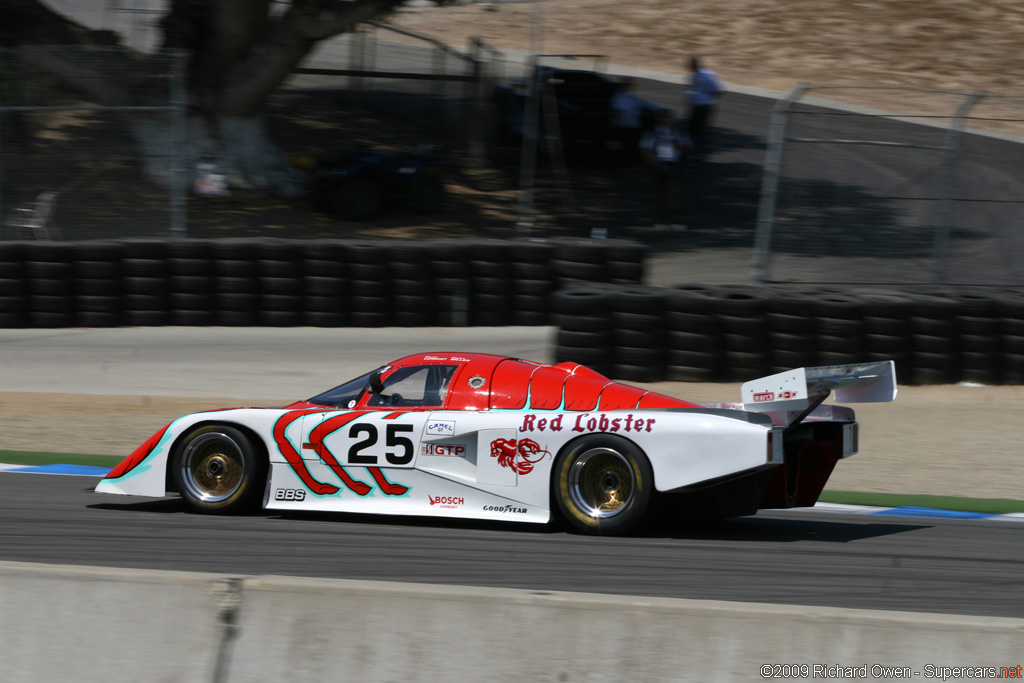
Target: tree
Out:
[239,52]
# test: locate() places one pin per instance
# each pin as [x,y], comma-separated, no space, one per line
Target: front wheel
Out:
[217,470]
[603,484]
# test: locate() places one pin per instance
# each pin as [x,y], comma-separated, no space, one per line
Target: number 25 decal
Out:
[372,435]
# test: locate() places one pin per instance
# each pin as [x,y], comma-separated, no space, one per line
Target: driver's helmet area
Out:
[416,386]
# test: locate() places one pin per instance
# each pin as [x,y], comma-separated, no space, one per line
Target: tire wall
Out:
[700,333]
[282,283]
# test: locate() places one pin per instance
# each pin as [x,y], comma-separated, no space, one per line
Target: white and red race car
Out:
[492,437]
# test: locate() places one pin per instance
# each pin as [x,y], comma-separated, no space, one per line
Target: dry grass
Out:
[945,44]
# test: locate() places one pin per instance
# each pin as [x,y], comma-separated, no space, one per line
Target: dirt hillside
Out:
[768,43]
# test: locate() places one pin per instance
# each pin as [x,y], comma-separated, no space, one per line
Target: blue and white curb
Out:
[913,511]
[72,470]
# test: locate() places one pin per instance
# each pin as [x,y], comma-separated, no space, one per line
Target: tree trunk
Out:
[243,148]
[239,54]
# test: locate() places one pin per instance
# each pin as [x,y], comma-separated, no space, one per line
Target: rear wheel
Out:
[603,484]
[217,470]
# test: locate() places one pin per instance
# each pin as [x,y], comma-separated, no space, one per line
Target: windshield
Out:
[346,395]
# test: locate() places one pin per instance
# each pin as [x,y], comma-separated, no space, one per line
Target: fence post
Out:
[356,58]
[940,255]
[770,184]
[529,141]
[477,112]
[179,146]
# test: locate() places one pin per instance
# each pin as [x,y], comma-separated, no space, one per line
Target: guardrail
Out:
[97,624]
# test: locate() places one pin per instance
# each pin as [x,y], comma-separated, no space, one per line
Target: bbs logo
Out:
[290,494]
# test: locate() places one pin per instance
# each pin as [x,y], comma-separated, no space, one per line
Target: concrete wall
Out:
[61,623]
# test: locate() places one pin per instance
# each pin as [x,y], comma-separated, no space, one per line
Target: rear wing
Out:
[804,388]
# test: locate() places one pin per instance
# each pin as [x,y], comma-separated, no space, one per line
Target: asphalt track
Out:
[804,558]
[800,558]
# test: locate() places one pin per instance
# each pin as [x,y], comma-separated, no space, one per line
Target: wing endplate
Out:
[798,389]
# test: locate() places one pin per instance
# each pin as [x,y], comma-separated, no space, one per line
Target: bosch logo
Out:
[446,501]
[764,396]
[504,508]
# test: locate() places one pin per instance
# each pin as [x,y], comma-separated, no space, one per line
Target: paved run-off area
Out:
[106,391]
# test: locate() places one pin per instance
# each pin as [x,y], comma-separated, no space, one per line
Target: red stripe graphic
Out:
[333,424]
[137,456]
[316,438]
[293,458]
[386,486]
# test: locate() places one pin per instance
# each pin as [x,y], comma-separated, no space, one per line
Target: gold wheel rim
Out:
[213,467]
[601,483]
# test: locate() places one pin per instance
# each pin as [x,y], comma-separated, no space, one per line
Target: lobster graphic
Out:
[519,455]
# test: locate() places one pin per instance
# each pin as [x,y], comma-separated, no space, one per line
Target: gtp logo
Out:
[452,450]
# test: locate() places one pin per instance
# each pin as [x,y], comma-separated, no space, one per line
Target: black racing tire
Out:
[217,470]
[594,358]
[626,272]
[629,372]
[580,271]
[531,271]
[187,267]
[603,484]
[582,323]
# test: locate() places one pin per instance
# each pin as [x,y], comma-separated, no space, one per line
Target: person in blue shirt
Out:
[703,93]
[662,148]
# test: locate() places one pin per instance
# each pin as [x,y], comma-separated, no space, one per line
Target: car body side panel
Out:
[684,446]
[425,494]
[149,477]
[502,457]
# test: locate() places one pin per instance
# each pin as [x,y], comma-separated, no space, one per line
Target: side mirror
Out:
[376,386]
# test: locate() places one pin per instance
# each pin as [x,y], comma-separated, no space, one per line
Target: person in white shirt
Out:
[662,148]
[703,93]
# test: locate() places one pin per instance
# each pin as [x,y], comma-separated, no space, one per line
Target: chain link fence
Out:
[91,143]
[873,184]
[386,70]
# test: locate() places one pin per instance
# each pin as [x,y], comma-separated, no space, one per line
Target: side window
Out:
[418,386]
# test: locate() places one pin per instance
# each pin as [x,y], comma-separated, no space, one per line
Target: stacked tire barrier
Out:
[324,283]
[698,333]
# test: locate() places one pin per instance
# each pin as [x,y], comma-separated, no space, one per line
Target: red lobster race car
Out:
[492,437]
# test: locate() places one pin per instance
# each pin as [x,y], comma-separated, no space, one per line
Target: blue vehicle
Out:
[357,184]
